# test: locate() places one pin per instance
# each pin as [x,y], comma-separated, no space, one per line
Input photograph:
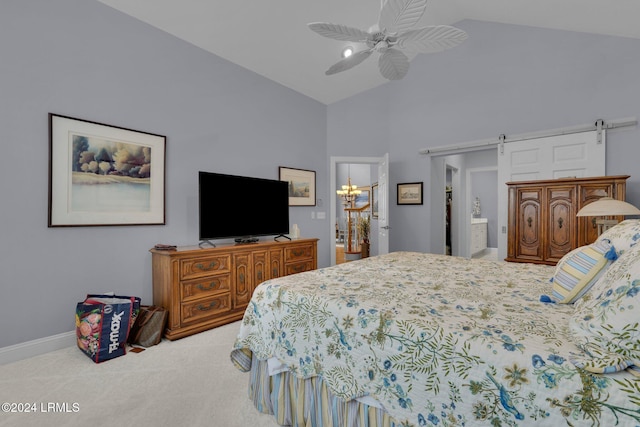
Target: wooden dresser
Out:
[207,287]
[543,225]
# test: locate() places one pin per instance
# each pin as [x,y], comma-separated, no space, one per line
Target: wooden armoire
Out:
[542,224]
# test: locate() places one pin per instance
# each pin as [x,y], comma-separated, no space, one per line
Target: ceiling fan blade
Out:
[393,64]
[431,39]
[339,32]
[397,16]
[349,62]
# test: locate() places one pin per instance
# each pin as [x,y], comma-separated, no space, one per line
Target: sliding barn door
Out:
[573,155]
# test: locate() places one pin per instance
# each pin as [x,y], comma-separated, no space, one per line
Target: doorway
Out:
[482,201]
[356,179]
[448,201]
[452,208]
[378,168]
[450,214]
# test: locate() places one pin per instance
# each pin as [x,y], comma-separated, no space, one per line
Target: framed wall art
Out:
[104,175]
[362,200]
[374,200]
[302,186]
[410,193]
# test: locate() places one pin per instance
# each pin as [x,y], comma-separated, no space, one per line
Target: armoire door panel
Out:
[561,222]
[562,217]
[529,231]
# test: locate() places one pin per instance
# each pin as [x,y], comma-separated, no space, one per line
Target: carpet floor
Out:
[188,382]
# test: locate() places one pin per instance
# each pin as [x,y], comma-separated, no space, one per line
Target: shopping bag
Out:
[135,301]
[149,326]
[102,326]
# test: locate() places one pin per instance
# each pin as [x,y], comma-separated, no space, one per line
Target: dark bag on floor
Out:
[102,326]
[149,326]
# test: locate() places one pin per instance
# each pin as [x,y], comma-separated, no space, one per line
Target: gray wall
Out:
[503,79]
[85,60]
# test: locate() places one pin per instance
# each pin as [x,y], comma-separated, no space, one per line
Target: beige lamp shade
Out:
[607,206]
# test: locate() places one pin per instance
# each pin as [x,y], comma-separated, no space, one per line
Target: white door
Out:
[572,155]
[383,205]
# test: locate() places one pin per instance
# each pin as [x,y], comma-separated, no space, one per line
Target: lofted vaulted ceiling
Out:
[272,39]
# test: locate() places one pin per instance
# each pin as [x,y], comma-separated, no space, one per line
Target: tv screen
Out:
[241,206]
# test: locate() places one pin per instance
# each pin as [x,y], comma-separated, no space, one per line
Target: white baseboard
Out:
[24,350]
[490,253]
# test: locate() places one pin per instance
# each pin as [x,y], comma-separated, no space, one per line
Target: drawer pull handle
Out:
[529,221]
[212,265]
[206,308]
[298,252]
[298,268]
[560,221]
[212,285]
[593,222]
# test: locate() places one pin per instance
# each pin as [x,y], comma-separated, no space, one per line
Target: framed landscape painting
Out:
[362,200]
[374,200]
[104,175]
[410,193]
[302,186]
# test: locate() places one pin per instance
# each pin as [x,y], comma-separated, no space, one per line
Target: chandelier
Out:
[348,192]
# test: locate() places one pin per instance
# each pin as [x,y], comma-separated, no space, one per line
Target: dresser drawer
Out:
[205,287]
[298,267]
[205,308]
[205,266]
[298,253]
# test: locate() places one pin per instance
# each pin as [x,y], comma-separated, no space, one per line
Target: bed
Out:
[414,339]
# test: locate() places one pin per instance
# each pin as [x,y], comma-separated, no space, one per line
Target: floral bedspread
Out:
[437,340]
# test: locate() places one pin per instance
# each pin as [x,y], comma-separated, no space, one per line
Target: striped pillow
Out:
[579,270]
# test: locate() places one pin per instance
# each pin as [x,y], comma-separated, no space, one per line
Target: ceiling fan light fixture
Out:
[394,32]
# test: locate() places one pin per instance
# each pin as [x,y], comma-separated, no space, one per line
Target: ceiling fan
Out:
[393,34]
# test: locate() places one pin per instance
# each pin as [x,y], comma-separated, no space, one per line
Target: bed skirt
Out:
[308,402]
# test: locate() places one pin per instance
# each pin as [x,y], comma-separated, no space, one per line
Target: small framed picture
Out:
[410,193]
[104,175]
[362,200]
[374,200]
[302,186]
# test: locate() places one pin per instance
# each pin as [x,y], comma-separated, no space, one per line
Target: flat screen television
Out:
[241,207]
